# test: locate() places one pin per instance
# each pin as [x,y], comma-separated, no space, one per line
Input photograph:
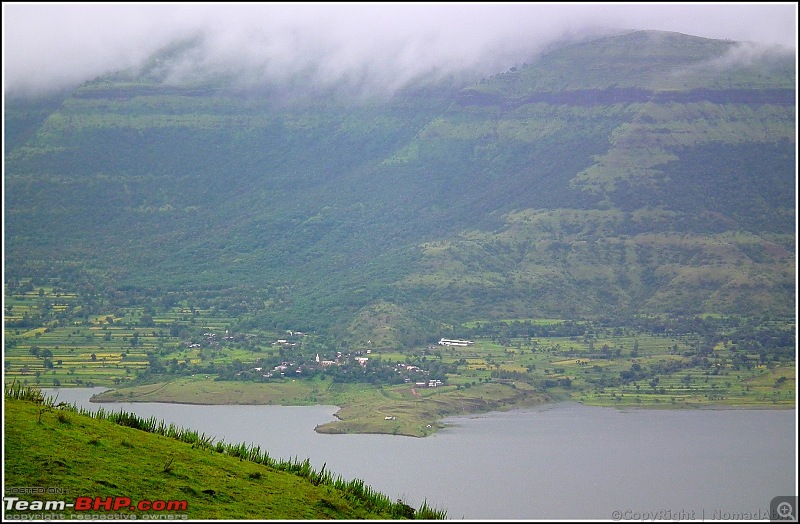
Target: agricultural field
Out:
[185,353]
[605,368]
[631,370]
[112,348]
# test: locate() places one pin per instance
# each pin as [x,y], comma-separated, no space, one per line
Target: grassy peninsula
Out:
[191,353]
[606,367]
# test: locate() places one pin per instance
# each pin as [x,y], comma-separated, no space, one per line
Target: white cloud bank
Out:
[47,46]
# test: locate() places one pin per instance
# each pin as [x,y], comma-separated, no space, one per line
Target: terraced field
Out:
[185,353]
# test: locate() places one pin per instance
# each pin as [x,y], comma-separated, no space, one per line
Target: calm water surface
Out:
[561,461]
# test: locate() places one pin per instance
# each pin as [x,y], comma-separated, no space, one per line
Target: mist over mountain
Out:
[645,172]
[375,48]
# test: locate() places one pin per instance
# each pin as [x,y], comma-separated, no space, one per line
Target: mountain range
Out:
[645,173]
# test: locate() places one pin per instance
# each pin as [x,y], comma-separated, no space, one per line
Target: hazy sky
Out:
[62,44]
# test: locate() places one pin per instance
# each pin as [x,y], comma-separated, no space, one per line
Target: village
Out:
[292,361]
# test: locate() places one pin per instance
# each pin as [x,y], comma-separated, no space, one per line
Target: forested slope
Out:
[648,172]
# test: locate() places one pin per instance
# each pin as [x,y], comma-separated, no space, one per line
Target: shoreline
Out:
[376,411]
[650,407]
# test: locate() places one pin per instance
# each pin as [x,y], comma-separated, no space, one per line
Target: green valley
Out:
[184,353]
[203,241]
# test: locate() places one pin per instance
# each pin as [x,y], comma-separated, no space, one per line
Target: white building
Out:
[452,342]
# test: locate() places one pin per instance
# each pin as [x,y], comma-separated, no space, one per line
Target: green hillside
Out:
[79,456]
[647,173]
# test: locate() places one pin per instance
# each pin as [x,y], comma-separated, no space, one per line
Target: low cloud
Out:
[750,54]
[371,47]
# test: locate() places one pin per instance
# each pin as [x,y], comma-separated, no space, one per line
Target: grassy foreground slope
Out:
[87,457]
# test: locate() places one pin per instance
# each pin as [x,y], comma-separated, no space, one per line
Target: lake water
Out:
[560,461]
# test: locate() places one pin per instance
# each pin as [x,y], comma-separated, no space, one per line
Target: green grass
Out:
[496,372]
[363,407]
[121,455]
[517,372]
[107,349]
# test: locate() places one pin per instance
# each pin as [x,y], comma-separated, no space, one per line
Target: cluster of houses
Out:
[211,339]
[339,356]
[287,343]
[415,370]
[410,374]
[318,363]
